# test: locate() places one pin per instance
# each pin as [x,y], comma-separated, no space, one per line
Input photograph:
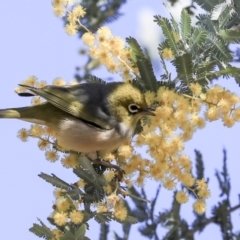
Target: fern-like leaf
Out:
[42,230]
[198,38]
[208,5]
[168,32]
[185,25]
[184,67]
[219,50]
[230,36]
[218,10]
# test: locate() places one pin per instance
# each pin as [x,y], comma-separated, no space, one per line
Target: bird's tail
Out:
[10,113]
[33,114]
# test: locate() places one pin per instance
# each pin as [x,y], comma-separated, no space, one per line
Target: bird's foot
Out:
[105,164]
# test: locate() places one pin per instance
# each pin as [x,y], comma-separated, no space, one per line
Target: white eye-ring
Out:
[133,108]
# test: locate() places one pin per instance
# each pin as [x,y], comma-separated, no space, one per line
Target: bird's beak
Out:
[149,111]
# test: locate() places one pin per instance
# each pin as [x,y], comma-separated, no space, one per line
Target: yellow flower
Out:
[169,183]
[52,155]
[43,144]
[81,183]
[228,121]
[59,81]
[36,130]
[23,134]
[181,197]
[36,101]
[201,184]
[125,151]
[167,53]
[59,11]
[60,218]
[212,113]
[120,211]
[41,84]
[102,209]
[59,192]
[79,11]
[187,179]
[71,29]
[199,206]
[70,161]
[56,3]
[236,114]
[109,176]
[57,234]
[204,193]
[76,216]
[108,189]
[88,39]
[62,204]
[185,163]
[31,81]
[104,33]
[196,89]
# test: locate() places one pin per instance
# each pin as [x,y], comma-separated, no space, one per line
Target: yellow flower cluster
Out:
[65,209]
[176,120]
[222,104]
[107,49]
[110,51]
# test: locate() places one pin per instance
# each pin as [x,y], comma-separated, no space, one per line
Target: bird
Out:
[87,117]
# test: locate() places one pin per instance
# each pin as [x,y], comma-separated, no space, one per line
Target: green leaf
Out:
[104,231]
[103,217]
[208,5]
[129,219]
[205,67]
[42,230]
[205,22]
[147,75]
[225,18]
[224,178]
[68,235]
[185,25]
[184,67]
[230,36]
[219,50]
[85,163]
[174,24]
[198,38]
[168,32]
[218,10]
[199,165]
[135,47]
[87,176]
[80,233]
[148,79]
[55,181]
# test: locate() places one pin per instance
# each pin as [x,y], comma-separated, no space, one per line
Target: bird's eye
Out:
[133,108]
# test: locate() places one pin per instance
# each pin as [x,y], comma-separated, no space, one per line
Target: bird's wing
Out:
[78,101]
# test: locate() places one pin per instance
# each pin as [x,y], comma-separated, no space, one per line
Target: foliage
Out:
[199,54]
[173,220]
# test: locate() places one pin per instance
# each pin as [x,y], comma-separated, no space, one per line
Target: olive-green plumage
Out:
[87,117]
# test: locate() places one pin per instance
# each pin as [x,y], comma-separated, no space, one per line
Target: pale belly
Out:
[78,136]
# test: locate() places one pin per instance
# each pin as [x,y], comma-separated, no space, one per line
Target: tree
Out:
[200,55]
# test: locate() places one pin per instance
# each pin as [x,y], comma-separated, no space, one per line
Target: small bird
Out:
[87,117]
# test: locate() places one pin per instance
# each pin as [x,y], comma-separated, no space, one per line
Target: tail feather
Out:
[9,113]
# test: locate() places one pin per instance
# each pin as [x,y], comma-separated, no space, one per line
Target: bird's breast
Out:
[76,135]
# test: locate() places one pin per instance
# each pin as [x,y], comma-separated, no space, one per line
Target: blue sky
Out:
[33,42]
